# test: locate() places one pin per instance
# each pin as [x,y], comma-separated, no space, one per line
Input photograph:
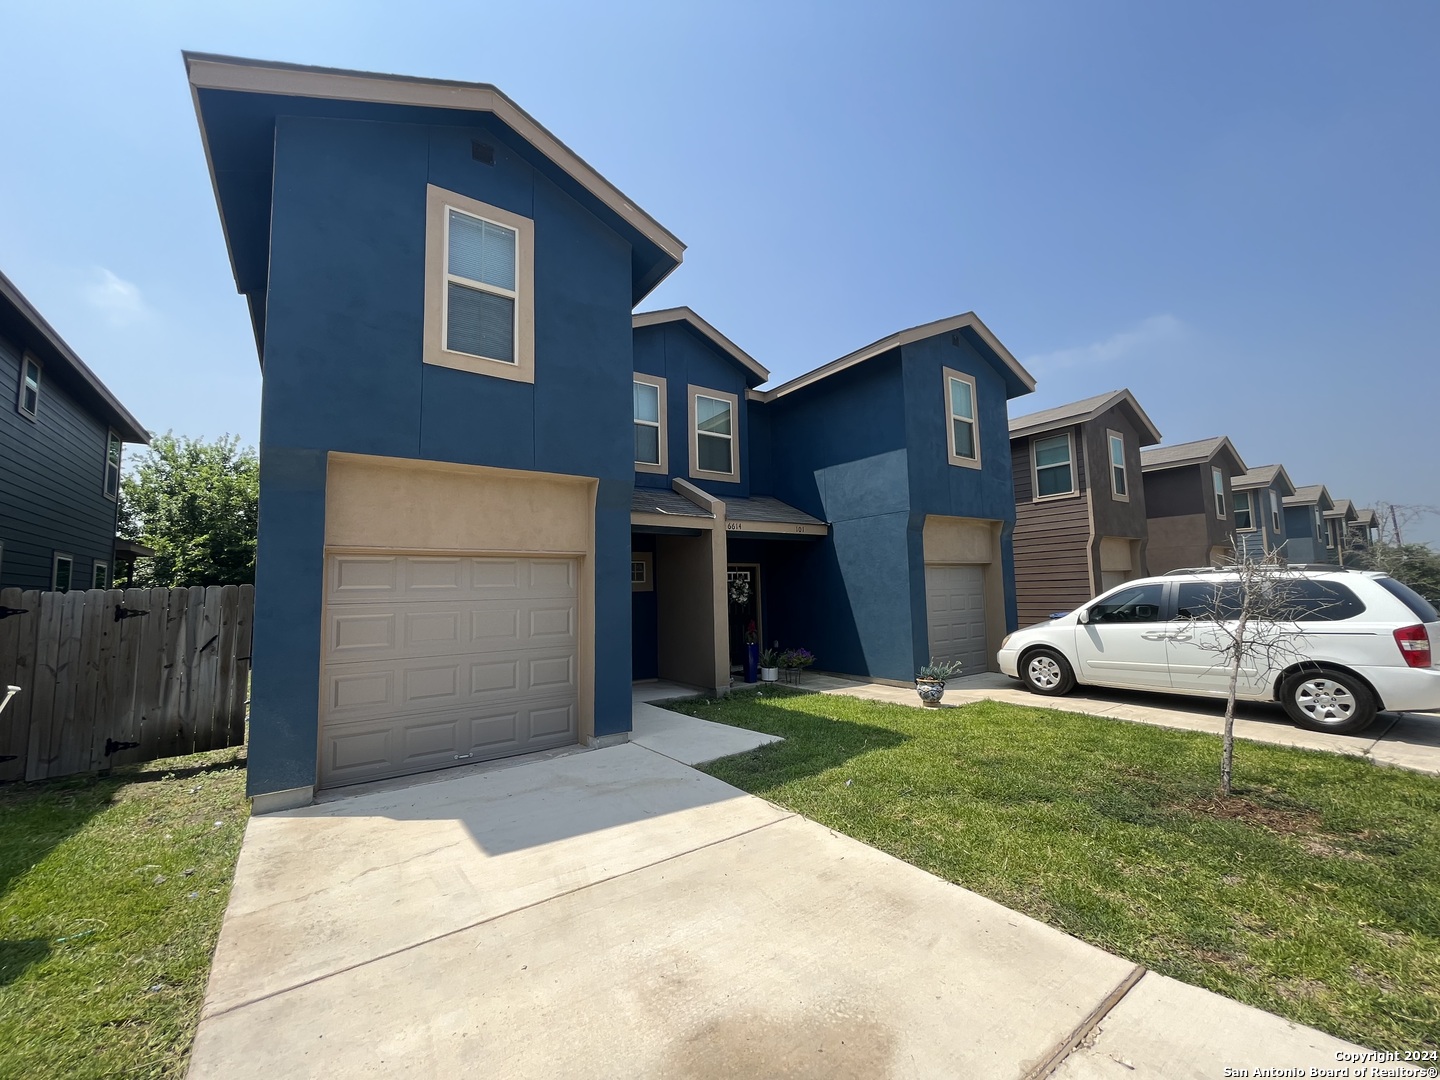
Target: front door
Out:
[1123,641]
[742,600]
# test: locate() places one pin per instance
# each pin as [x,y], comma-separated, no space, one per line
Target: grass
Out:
[1313,892]
[111,895]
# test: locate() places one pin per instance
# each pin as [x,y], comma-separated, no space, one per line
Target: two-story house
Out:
[458,559]
[1259,511]
[1189,500]
[1080,520]
[61,439]
[1341,522]
[1306,535]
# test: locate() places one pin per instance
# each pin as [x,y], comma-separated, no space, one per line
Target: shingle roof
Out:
[1344,509]
[1310,493]
[1262,476]
[660,501]
[1077,412]
[1190,453]
[765,508]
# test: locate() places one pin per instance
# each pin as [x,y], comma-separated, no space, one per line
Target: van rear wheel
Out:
[1333,701]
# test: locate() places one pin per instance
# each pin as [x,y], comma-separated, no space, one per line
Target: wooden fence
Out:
[112,676]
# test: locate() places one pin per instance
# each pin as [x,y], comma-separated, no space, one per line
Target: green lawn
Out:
[111,895]
[1313,892]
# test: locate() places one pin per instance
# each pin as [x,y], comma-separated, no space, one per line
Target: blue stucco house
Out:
[464,551]
[1259,511]
[61,438]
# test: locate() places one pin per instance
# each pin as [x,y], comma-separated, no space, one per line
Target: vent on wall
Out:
[482,152]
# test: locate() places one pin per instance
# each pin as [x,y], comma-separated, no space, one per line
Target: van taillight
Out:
[1414,645]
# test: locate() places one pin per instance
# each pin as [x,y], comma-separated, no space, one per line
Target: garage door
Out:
[433,661]
[955,610]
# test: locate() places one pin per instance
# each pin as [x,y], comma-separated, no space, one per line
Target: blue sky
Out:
[1233,209]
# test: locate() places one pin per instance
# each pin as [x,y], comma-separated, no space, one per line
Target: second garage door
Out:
[955,615]
[435,661]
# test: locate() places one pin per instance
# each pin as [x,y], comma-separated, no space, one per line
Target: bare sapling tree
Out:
[1248,619]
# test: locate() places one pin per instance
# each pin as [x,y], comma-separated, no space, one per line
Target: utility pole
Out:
[1395,521]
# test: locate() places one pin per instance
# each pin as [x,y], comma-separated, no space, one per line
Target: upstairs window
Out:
[479,296]
[112,466]
[1244,519]
[649,397]
[1217,478]
[1119,478]
[1319,526]
[29,400]
[1275,513]
[1054,466]
[964,433]
[712,448]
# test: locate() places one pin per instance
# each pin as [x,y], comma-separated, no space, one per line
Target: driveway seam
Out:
[1086,1027]
[1369,751]
[206,1017]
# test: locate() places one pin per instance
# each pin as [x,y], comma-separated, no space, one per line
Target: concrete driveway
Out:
[618,913]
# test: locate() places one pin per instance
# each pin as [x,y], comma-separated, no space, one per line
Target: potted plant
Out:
[770,665]
[930,680]
[796,661]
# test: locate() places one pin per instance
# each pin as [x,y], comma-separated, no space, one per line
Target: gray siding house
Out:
[1307,536]
[1189,501]
[1259,510]
[1080,521]
[61,437]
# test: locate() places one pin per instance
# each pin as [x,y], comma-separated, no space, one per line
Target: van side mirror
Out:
[1084,615]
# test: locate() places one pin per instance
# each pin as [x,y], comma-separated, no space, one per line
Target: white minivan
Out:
[1355,642]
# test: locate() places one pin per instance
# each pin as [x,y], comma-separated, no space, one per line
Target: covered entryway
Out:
[955,615]
[434,661]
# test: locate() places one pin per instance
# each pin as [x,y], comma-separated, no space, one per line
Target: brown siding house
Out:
[1190,502]
[1080,517]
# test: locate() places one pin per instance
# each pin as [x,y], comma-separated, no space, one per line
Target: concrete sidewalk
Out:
[1404,740]
[617,913]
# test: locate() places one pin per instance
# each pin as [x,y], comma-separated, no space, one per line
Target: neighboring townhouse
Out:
[1306,534]
[1366,529]
[1259,510]
[1341,522]
[455,549]
[865,507]
[61,441]
[1188,500]
[1080,520]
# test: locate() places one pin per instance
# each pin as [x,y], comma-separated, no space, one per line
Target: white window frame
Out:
[438,205]
[102,571]
[111,439]
[1320,537]
[1217,481]
[61,556]
[1275,525]
[645,560]
[1250,511]
[663,466]
[697,473]
[26,360]
[1035,467]
[951,416]
[1111,438]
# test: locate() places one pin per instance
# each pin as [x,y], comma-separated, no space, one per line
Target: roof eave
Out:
[716,338]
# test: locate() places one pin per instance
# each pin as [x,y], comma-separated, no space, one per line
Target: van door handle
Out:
[1181,635]
[1156,635]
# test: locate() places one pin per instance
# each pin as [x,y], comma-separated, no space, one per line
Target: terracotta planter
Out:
[930,691]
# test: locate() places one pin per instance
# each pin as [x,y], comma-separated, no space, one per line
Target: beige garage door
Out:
[436,661]
[955,615]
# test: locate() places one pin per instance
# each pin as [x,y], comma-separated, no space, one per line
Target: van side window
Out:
[1138,605]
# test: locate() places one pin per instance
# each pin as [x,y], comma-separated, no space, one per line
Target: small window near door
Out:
[642,568]
[1054,467]
[62,572]
[1217,478]
[1244,520]
[1138,605]
[100,578]
[1119,479]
